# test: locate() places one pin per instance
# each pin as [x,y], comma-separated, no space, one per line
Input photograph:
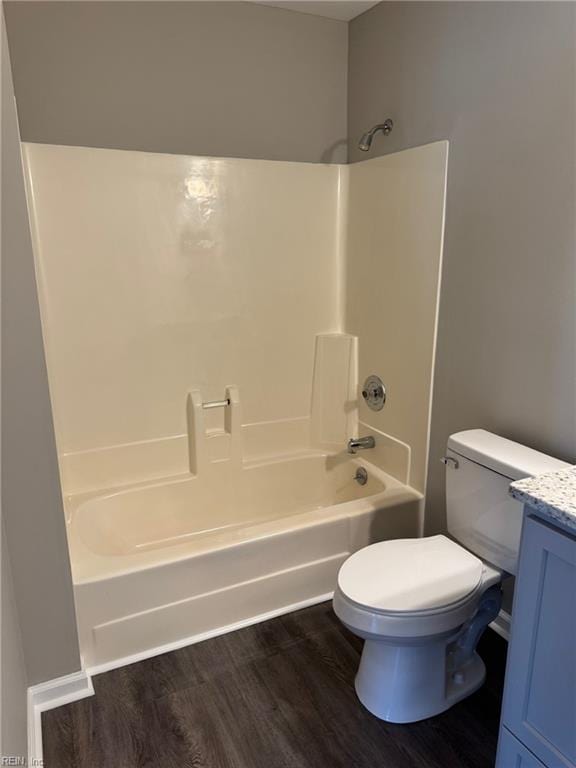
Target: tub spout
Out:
[358,443]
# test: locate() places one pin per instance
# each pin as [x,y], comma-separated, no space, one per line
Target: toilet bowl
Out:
[421,605]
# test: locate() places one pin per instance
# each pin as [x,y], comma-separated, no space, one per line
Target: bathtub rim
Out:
[90,567]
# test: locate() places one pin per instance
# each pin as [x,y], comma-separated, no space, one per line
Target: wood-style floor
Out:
[276,695]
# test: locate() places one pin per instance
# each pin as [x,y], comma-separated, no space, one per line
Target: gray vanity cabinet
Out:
[513,754]
[538,726]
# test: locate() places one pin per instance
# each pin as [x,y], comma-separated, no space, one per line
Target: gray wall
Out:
[31,498]
[498,81]
[222,79]
[13,684]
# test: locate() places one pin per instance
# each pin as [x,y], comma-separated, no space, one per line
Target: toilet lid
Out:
[410,574]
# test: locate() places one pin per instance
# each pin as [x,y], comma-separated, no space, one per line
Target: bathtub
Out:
[160,565]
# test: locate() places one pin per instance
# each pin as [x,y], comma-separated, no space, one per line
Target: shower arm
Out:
[366,141]
[385,127]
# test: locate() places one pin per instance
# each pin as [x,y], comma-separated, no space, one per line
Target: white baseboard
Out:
[501,625]
[49,695]
[198,638]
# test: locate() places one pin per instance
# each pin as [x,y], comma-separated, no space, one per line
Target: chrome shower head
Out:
[366,141]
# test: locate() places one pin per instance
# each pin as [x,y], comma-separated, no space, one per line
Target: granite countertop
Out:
[552,495]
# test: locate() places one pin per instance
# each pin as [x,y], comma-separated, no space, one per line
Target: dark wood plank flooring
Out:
[276,695]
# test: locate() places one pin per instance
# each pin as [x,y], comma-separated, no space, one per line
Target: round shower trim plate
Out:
[374,393]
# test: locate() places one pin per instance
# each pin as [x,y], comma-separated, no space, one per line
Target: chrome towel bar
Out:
[216,404]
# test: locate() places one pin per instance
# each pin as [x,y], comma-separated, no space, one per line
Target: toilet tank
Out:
[480,513]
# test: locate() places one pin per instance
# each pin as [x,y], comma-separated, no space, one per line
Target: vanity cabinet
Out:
[513,754]
[538,726]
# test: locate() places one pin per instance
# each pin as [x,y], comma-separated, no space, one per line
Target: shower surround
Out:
[168,281]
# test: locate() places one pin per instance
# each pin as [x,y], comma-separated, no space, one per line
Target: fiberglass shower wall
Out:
[161,274]
[164,273]
[395,228]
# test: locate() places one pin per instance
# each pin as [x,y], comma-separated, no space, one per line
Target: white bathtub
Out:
[163,564]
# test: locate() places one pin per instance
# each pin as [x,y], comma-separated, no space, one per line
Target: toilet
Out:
[421,605]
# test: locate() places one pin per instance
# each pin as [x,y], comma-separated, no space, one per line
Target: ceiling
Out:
[343,10]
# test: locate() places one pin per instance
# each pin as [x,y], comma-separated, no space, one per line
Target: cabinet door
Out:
[540,693]
[512,754]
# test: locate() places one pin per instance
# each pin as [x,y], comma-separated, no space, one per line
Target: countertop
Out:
[553,495]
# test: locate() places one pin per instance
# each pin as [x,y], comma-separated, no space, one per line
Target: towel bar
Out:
[216,404]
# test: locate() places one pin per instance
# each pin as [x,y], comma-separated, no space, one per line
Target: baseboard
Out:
[200,637]
[501,625]
[49,695]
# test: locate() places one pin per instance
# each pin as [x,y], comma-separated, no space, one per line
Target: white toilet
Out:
[422,604]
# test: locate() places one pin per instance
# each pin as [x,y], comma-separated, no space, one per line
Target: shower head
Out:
[366,141]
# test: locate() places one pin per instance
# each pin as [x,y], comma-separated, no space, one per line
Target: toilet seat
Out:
[410,575]
[446,582]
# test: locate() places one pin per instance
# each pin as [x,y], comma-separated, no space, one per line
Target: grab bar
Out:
[216,404]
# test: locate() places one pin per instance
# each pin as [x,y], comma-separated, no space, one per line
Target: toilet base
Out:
[406,683]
